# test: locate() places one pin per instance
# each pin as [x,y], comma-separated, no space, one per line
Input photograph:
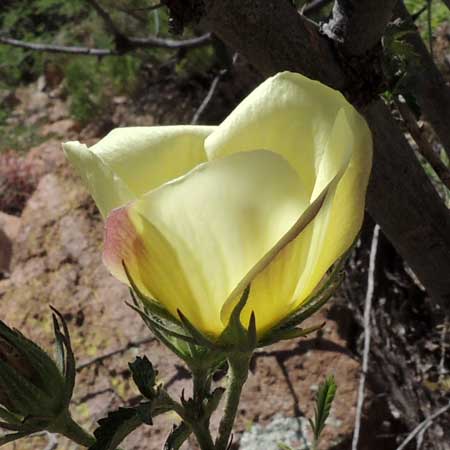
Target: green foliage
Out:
[439,14]
[115,427]
[324,399]
[90,83]
[85,88]
[20,137]
[199,61]
[400,62]
[144,376]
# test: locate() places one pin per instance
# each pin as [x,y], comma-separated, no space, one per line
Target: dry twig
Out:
[367,334]
[209,96]
[422,427]
[134,44]
[423,146]
[57,48]
[211,92]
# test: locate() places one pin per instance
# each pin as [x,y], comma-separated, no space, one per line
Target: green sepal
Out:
[144,376]
[236,337]
[177,436]
[252,334]
[154,323]
[198,337]
[65,354]
[25,398]
[48,377]
[177,346]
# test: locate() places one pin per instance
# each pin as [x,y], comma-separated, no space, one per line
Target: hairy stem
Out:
[203,436]
[66,426]
[200,427]
[238,373]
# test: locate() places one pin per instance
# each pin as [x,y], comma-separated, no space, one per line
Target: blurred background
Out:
[52,90]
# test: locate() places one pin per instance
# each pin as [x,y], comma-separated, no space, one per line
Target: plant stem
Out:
[66,426]
[202,384]
[238,373]
[200,427]
[203,436]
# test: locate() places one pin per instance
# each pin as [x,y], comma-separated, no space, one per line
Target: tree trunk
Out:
[274,37]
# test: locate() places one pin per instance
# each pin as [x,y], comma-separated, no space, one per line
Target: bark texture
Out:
[358,24]
[406,205]
[271,34]
[401,198]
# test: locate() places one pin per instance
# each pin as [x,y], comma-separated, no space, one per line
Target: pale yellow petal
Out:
[129,162]
[147,157]
[106,188]
[345,212]
[288,114]
[294,268]
[206,230]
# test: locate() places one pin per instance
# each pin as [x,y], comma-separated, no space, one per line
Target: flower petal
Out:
[137,158]
[289,273]
[106,188]
[288,114]
[194,239]
[343,214]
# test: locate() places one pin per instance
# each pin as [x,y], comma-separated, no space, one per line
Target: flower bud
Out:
[34,389]
[11,356]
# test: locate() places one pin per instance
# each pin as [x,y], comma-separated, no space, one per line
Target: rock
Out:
[291,431]
[58,110]
[9,228]
[9,224]
[61,128]
[46,157]
[5,253]
[37,101]
[57,261]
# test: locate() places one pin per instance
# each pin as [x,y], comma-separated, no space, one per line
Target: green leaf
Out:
[144,376]
[114,428]
[66,357]
[177,436]
[324,399]
[26,398]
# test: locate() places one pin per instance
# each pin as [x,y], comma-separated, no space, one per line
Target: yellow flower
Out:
[274,195]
